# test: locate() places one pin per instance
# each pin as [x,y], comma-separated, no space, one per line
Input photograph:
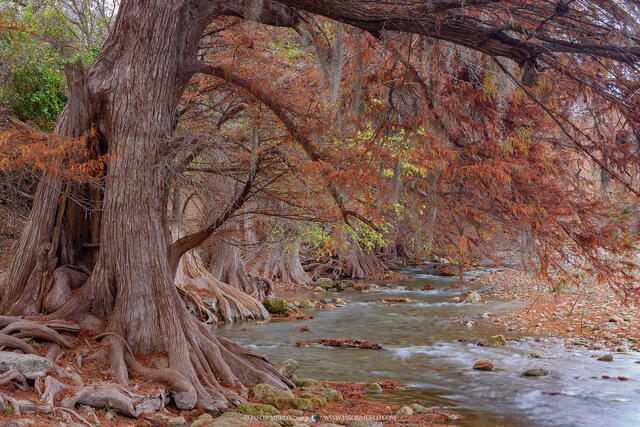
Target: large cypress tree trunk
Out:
[135,85]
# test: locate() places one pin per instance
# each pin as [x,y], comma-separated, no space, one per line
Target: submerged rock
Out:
[535,372]
[318,289]
[349,343]
[538,356]
[325,283]
[606,358]
[473,297]
[29,365]
[275,305]
[483,365]
[496,340]
[339,301]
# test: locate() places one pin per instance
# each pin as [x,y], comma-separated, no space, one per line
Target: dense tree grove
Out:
[198,149]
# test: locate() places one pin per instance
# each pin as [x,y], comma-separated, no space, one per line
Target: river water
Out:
[421,350]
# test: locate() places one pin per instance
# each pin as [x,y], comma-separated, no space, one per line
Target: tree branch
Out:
[188,242]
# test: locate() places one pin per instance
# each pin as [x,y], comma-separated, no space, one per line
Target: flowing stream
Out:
[421,350]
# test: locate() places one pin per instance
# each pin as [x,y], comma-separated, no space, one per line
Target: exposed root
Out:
[227,266]
[19,406]
[325,267]
[280,261]
[201,310]
[16,378]
[65,280]
[183,393]
[13,342]
[359,264]
[104,395]
[53,351]
[117,365]
[68,374]
[37,330]
[51,388]
[78,416]
[113,396]
[232,304]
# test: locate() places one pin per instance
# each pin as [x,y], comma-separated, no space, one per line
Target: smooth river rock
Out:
[288,367]
[535,372]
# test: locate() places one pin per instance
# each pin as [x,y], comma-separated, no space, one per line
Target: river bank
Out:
[430,342]
[589,315]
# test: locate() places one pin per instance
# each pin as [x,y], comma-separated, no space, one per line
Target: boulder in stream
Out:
[307,303]
[535,372]
[325,283]
[483,365]
[538,356]
[344,284]
[473,297]
[275,305]
[496,340]
[606,358]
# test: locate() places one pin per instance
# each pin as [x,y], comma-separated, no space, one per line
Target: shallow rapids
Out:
[421,349]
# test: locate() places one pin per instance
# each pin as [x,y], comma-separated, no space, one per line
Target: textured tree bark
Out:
[227,266]
[280,261]
[135,85]
[359,264]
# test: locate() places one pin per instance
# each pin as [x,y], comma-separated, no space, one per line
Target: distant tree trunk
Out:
[359,263]
[227,266]
[280,260]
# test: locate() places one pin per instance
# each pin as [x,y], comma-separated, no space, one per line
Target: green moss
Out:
[257,409]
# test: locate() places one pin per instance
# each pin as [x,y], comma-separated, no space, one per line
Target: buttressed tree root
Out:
[231,303]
